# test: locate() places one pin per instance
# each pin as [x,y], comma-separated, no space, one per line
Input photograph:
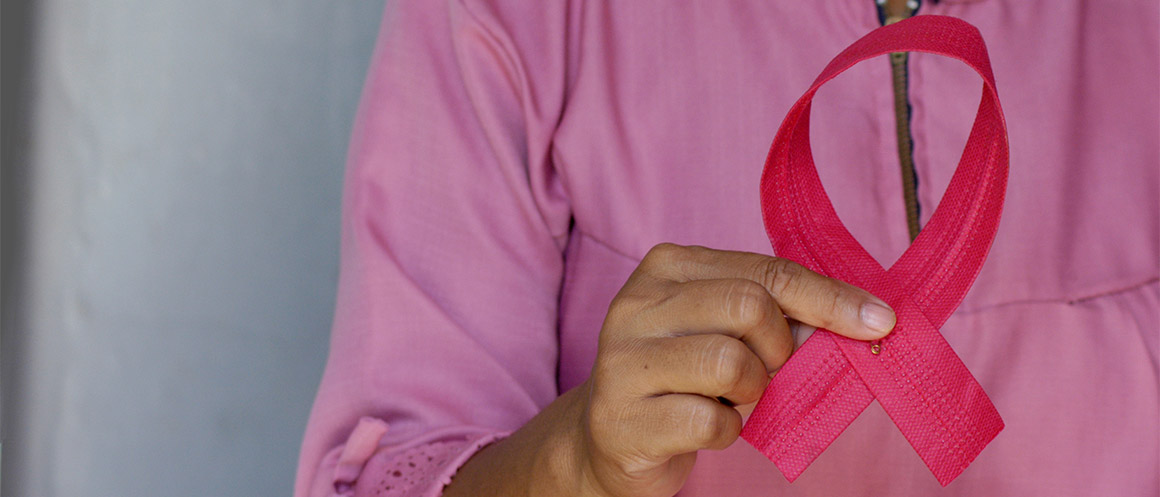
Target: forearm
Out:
[541,458]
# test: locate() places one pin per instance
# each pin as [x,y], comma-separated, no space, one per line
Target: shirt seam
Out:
[1068,300]
[607,246]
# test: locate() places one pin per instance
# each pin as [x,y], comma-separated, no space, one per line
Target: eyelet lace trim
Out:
[422,470]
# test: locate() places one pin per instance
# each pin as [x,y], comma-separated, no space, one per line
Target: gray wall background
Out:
[171,190]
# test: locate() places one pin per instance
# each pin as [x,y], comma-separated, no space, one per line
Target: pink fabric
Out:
[362,444]
[511,164]
[920,382]
[423,469]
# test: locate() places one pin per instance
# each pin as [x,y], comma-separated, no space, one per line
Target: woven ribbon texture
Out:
[913,373]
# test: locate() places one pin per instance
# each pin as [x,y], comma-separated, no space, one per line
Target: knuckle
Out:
[829,303]
[607,374]
[663,254]
[622,309]
[634,310]
[708,424]
[780,276]
[747,304]
[627,308]
[833,300]
[724,361]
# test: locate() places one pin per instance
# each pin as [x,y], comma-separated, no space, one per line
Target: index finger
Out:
[802,294]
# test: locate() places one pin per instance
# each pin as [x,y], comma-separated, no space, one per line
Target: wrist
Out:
[564,457]
[547,456]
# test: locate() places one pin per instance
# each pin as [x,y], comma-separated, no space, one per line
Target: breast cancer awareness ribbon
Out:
[913,373]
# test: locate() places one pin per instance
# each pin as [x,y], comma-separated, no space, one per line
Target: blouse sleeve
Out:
[454,223]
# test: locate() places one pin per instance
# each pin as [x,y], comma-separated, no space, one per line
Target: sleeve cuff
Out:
[420,468]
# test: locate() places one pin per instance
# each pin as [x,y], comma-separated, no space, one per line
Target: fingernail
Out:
[879,318]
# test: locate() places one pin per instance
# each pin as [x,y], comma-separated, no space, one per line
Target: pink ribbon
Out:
[917,378]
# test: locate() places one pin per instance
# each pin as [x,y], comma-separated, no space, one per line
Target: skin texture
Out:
[688,345]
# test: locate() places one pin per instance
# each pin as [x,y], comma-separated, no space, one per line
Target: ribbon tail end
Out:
[791,474]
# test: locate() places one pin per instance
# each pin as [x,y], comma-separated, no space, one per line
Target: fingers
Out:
[686,423]
[802,294]
[738,308]
[713,366]
[692,330]
[658,428]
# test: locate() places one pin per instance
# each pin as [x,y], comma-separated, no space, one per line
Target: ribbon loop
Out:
[917,378]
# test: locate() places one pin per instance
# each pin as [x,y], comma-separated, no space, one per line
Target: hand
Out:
[693,333]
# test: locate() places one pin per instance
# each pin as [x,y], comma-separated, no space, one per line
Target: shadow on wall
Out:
[16,47]
[171,191]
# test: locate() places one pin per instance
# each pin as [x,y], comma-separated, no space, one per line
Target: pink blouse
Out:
[511,164]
